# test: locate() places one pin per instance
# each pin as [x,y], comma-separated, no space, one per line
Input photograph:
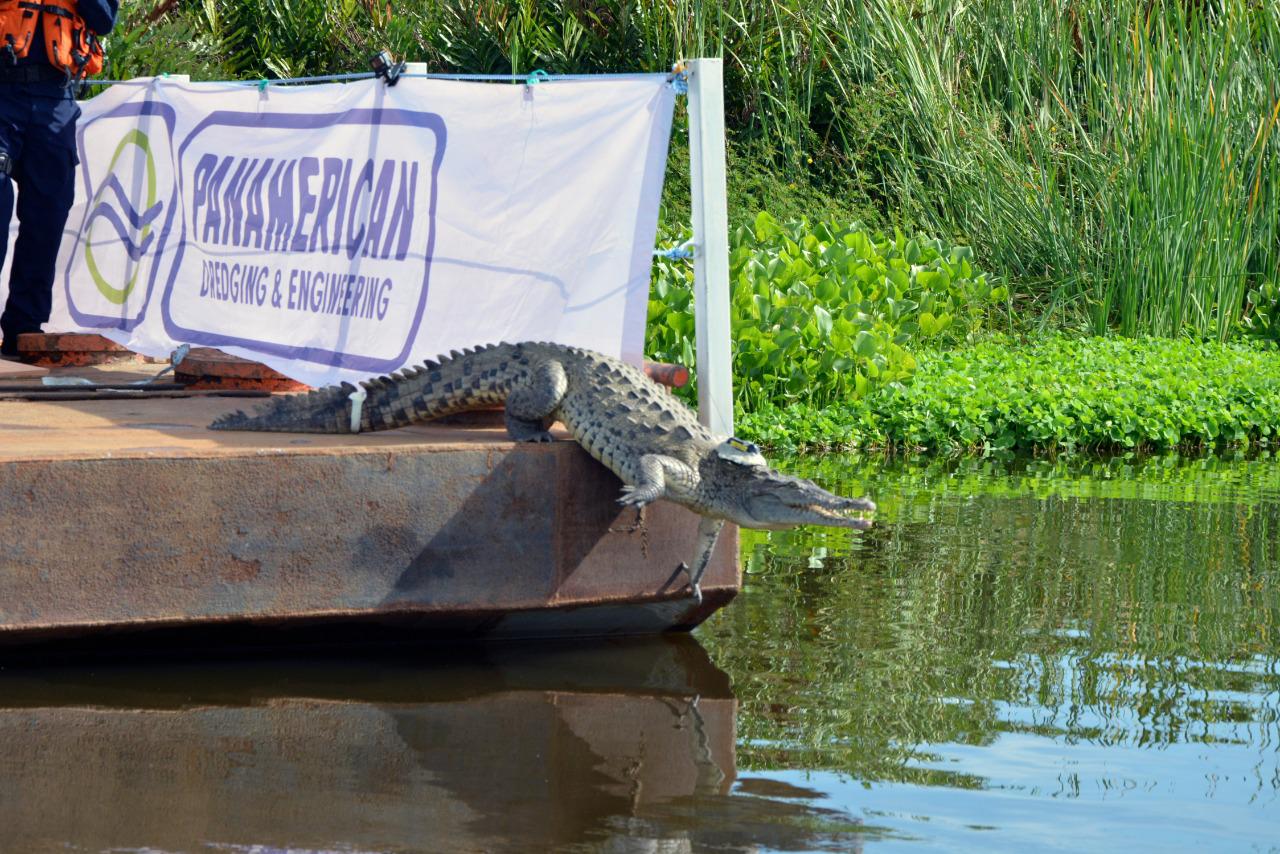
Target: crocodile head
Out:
[751,494]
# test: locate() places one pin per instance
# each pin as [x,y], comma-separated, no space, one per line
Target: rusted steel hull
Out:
[505,749]
[208,368]
[130,516]
[68,349]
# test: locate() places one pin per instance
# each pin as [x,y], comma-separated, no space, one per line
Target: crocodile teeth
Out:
[826,512]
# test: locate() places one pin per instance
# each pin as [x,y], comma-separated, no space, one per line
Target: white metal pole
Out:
[711,242]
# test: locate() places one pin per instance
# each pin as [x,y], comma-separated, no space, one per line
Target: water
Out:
[1026,656]
[1020,656]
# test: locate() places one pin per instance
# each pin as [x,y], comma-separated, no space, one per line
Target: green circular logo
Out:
[113,203]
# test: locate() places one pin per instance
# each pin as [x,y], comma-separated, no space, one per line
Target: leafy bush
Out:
[177,43]
[1262,315]
[825,313]
[1055,394]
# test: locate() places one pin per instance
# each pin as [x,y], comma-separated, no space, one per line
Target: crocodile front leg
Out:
[667,477]
[660,477]
[708,532]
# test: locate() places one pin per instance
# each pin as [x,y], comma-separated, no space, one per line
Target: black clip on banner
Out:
[385,66]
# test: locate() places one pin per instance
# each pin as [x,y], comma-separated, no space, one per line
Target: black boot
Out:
[9,344]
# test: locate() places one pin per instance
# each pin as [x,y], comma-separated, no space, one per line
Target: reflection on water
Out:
[620,746]
[1019,656]
[1071,654]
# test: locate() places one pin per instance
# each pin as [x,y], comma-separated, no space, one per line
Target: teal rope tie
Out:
[680,78]
[678,253]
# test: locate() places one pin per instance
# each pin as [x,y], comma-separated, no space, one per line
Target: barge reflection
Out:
[626,746]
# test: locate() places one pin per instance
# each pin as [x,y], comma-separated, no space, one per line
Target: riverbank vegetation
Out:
[828,312]
[1023,200]
[1055,394]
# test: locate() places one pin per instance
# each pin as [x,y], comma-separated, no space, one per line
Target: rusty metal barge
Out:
[126,515]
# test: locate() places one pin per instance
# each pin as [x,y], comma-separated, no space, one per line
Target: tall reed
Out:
[1117,157]
[1117,160]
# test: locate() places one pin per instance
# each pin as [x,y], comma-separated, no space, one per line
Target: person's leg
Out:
[13,307]
[45,176]
[11,113]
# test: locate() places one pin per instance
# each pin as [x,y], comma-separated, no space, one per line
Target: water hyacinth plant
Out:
[1052,395]
[826,312]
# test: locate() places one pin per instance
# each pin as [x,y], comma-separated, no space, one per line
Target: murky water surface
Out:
[1020,656]
[1026,656]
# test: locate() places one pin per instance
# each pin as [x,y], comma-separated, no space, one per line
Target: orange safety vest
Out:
[71,46]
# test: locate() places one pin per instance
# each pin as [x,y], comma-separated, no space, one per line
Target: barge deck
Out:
[127,515]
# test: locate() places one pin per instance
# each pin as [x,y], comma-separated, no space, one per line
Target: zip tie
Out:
[680,78]
[685,250]
[357,406]
[262,85]
[537,76]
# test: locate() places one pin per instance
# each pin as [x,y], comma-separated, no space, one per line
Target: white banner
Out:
[335,232]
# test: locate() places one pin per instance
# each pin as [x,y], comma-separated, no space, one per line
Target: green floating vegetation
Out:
[1057,394]
[826,312]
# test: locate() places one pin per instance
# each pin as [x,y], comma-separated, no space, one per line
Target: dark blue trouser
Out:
[37,131]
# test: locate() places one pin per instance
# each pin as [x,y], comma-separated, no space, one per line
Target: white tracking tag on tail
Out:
[357,407]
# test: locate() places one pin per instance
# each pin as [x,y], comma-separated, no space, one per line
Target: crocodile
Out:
[636,428]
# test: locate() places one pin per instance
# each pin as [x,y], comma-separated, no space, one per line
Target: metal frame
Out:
[711,242]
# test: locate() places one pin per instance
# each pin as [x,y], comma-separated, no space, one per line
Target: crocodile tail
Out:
[326,410]
[463,380]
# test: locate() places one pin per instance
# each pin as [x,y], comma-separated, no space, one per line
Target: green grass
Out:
[1113,160]
[1054,395]
[755,185]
